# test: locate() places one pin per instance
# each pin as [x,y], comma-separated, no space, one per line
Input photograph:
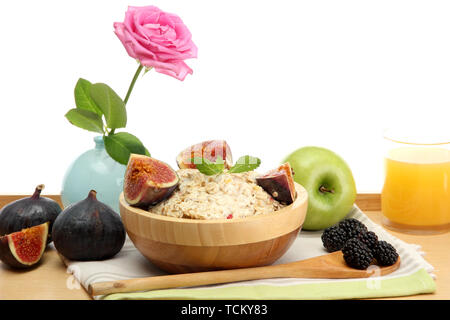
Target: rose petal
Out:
[124,37]
[184,70]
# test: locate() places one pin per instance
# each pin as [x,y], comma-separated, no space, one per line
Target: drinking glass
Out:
[416,192]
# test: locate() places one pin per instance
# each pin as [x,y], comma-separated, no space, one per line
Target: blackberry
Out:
[352,227]
[356,254]
[369,238]
[385,253]
[334,238]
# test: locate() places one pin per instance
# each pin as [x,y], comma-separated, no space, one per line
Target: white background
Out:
[271,76]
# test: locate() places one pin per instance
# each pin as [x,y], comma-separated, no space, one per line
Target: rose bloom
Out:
[157,39]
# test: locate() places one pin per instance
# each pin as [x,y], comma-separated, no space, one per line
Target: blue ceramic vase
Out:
[94,170]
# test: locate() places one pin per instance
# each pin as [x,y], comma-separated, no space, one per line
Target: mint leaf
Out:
[120,145]
[244,164]
[220,164]
[85,119]
[208,167]
[83,98]
[110,104]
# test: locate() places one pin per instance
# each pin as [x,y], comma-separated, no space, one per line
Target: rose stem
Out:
[130,89]
[136,75]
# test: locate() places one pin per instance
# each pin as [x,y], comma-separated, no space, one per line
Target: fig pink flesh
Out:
[148,181]
[28,245]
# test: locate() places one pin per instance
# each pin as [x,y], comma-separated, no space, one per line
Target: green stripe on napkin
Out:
[415,283]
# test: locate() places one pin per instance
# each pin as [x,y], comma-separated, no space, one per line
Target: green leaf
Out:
[244,164]
[220,163]
[85,119]
[83,98]
[110,104]
[147,153]
[120,145]
[208,167]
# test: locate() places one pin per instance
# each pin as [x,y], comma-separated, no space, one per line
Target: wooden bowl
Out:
[179,245]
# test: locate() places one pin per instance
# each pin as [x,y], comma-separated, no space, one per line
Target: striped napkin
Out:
[413,277]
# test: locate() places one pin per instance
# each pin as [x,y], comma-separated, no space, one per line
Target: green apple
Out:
[329,182]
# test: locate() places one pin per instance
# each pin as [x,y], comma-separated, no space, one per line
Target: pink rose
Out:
[157,39]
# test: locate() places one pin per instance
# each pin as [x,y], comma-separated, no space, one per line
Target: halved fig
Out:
[24,249]
[29,212]
[209,150]
[148,181]
[279,183]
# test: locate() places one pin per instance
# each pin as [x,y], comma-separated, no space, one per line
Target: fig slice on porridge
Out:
[148,181]
[279,183]
[210,150]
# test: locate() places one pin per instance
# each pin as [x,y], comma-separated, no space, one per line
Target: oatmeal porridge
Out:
[222,196]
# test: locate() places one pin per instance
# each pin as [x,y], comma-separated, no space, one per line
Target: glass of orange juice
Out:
[416,191]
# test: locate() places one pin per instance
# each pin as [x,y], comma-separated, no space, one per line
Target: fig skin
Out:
[7,257]
[148,181]
[279,183]
[88,230]
[29,212]
[210,150]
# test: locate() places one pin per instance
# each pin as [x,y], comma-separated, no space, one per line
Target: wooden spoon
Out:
[329,266]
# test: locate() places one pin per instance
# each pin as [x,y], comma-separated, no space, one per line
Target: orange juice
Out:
[416,192]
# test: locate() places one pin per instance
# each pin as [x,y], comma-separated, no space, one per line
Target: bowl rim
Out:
[301,197]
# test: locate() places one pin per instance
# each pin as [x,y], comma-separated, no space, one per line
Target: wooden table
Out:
[51,281]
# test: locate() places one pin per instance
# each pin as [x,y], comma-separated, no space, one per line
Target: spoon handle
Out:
[184,280]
